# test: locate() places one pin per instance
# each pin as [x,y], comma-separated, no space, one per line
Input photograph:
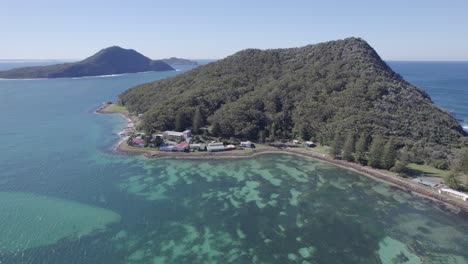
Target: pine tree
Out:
[197,122]
[401,167]
[389,154]
[452,181]
[261,136]
[336,146]
[215,129]
[272,132]
[179,122]
[361,149]
[348,148]
[376,151]
[464,162]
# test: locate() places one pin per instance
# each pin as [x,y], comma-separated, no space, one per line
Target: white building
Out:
[246,144]
[177,135]
[215,147]
[454,193]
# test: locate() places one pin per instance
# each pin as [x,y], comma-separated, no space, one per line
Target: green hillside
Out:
[310,92]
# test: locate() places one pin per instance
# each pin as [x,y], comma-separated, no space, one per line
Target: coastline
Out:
[393,180]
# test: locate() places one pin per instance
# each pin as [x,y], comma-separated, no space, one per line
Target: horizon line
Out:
[387,60]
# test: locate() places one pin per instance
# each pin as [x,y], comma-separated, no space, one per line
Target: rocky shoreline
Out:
[398,182]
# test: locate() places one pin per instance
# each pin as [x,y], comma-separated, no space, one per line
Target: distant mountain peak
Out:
[111,60]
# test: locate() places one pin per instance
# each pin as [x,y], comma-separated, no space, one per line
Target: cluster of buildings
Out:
[173,141]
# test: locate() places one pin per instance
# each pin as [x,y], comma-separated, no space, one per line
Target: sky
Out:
[208,29]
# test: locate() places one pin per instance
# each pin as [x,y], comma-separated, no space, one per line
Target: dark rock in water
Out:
[112,60]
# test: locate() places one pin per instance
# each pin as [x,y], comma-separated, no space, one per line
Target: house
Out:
[187,133]
[138,142]
[182,147]
[454,193]
[168,148]
[172,135]
[156,136]
[246,144]
[425,183]
[215,147]
[177,135]
[295,141]
[201,147]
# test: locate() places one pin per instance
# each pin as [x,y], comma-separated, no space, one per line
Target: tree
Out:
[464,162]
[361,149]
[401,167]
[158,141]
[376,151]
[389,155]
[147,138]
[348,148]
[197,122]
[261,136]
[336,146]
[179,122]
[215,129]
[452,181]
[272,132]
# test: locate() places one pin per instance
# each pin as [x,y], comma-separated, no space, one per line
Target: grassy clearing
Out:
[113,108]
[321,149]
[427,170]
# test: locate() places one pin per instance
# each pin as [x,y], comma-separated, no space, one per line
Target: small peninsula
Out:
[339,96]
[108,61]
[173,61]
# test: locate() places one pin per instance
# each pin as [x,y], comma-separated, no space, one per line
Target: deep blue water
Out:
[56,159]
[445,82]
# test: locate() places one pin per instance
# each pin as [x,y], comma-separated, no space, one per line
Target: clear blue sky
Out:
[62,29]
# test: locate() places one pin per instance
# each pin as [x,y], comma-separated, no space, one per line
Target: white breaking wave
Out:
[98,76]
[465,127]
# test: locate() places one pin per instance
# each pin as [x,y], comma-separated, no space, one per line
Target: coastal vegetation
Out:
[112,60]
[338,94]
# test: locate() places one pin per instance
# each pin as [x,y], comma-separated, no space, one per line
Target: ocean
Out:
[66,197]
[445,82]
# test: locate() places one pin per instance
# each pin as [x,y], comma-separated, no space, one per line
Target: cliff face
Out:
[311,92]
[112,60]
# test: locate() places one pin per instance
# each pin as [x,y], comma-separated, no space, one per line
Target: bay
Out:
[56,155]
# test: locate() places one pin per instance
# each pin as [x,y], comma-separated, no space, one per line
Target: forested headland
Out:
[338,93]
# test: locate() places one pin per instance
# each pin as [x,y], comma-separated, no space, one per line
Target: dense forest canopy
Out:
[112,60]
[309,92]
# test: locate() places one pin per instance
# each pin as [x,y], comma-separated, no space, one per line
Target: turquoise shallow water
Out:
[66,198]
